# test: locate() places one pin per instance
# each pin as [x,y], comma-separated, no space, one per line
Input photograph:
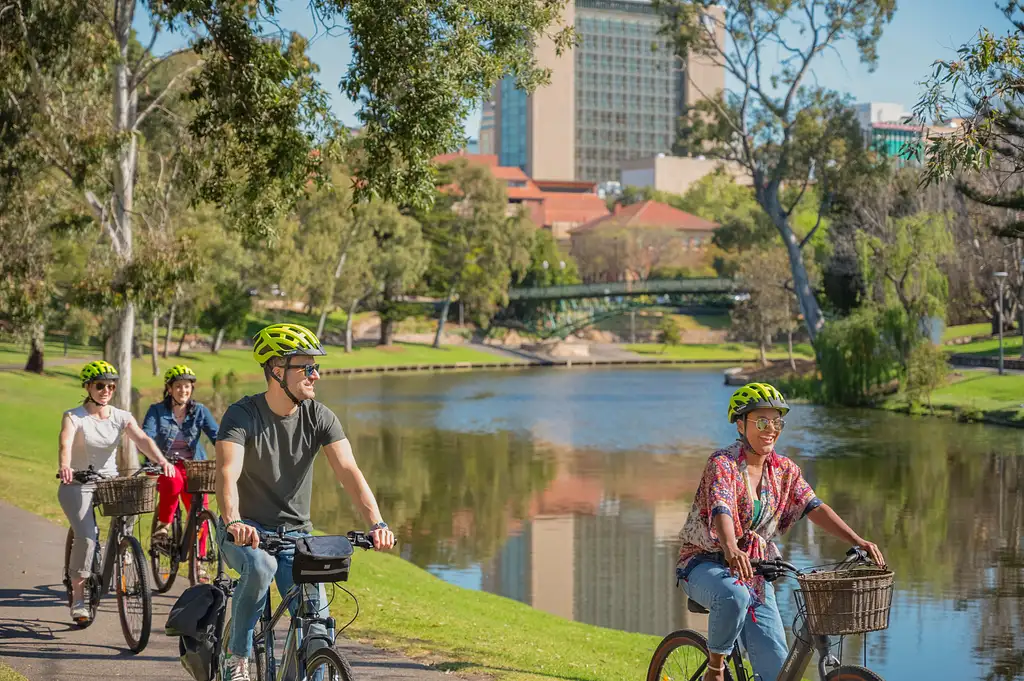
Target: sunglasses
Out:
[100,387]
[308,369]
[777,423]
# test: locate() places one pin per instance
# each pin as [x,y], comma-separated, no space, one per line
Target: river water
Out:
[565,489]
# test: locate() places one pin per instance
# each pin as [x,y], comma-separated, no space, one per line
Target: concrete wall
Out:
[551,112]
[676,174]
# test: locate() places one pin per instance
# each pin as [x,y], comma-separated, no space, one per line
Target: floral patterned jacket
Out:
[785,498]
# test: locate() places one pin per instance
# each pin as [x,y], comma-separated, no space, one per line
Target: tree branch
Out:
[156,101]
[139,78]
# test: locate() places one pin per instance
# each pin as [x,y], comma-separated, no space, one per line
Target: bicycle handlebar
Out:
[274,543]
[773,569]
[90,474]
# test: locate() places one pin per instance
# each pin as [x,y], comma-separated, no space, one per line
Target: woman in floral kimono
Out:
[749,494]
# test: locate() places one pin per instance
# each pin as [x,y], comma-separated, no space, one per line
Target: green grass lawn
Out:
[206,364]
[8,674]
[727,352]
[402,607]
[980,394]
[951,332]
[704,322]
[988,348]
[17,353]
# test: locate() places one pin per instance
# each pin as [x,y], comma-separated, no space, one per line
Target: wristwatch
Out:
[379,526]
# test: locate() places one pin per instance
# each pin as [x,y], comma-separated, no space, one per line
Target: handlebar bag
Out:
[319,560]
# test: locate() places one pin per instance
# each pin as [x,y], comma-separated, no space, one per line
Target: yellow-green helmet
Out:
[98,370]
[179,371]
[756,396]
[282,340]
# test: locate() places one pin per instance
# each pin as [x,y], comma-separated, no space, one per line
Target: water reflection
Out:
[565,490]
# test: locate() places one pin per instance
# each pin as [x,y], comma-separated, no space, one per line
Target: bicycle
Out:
[816,624]
[121,499]
[181,544]
[324,661]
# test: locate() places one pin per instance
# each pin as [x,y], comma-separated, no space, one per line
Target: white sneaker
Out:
[80,612]
[237,668]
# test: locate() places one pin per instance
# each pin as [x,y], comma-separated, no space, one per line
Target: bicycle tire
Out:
[677,640]
[164,575]
[130,546]
[195,563]
[852,672]
[331,658]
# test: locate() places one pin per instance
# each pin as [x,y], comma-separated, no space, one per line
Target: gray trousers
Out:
[76,500]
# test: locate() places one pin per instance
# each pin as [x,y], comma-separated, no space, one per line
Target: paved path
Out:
[38,640]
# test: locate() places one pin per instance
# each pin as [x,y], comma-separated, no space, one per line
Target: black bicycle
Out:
[196,542]
[122,565]
[838,601]
[308,654]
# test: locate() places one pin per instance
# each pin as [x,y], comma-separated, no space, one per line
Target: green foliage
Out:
[668,331]
[228,309]
[902,256]
[927,369]
[771,307]
[561,269]
[476,249]
[860,356]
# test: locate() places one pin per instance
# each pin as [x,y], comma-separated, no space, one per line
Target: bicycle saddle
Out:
[695,607]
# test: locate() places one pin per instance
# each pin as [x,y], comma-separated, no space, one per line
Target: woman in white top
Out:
[89,436]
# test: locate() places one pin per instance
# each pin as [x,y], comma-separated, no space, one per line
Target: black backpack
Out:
[197,619]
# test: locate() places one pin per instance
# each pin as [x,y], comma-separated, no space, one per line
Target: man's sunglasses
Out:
[308,369]
[100,387]
[777,423]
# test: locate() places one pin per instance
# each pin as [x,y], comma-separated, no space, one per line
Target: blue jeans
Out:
[257,569]
[713,586]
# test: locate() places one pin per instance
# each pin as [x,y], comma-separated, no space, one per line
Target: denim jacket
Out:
[160,425]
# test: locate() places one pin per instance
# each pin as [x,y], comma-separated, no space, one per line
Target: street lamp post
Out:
[1000,278]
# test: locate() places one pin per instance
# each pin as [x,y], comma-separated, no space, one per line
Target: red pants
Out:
[171,489]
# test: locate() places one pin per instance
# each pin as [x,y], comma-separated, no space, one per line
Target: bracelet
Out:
[233,522]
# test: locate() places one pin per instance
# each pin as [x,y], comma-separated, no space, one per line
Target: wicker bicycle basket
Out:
[200,476]
[846,601]
[126,496]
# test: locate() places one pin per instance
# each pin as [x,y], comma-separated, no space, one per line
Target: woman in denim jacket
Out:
[176,424]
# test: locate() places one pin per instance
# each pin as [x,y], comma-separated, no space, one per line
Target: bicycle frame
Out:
[798,658]
[189,531]
[103,566]
[294,656]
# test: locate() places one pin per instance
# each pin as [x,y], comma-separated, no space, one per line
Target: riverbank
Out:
[403,608]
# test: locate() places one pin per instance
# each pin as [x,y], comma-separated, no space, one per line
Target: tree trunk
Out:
[108,348]
[127,460]
[218,341]
[184,332]
[348,326]
[443,318]
[155,341]
[125,103]
[763,351]
[170,328]
[813,318]
[387,332]
[789,339]
[136,346]
[330,291]
[35,355]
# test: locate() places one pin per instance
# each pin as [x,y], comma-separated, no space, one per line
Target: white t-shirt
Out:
[96,440]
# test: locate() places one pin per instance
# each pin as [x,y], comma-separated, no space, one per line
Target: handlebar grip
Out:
[361,540]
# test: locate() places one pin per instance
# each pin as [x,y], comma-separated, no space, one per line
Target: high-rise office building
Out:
[616,97]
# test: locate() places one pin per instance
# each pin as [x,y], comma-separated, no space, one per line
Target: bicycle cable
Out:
[355,600]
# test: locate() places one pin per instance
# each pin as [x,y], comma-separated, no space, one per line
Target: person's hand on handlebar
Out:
[66,474]
[874,553]
[244,535]
[738,562]
[383,539]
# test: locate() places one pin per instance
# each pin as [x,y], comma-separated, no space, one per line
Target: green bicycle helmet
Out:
[179,371]
[98,370]
[285,340]
[756,396]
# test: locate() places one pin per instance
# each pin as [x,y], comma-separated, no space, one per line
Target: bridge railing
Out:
[626,288]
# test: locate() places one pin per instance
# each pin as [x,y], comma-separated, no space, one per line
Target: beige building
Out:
[612,99]
[675,174]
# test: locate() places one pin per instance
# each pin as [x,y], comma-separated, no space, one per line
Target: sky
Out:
[921,32]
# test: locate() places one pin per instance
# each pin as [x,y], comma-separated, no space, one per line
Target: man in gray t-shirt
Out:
[266,446]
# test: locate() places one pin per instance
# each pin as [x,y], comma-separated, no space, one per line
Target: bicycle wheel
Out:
[681,656]
[205,566]
[163,555]
[67,562]
[134,602]
[852,672]
[328,664]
